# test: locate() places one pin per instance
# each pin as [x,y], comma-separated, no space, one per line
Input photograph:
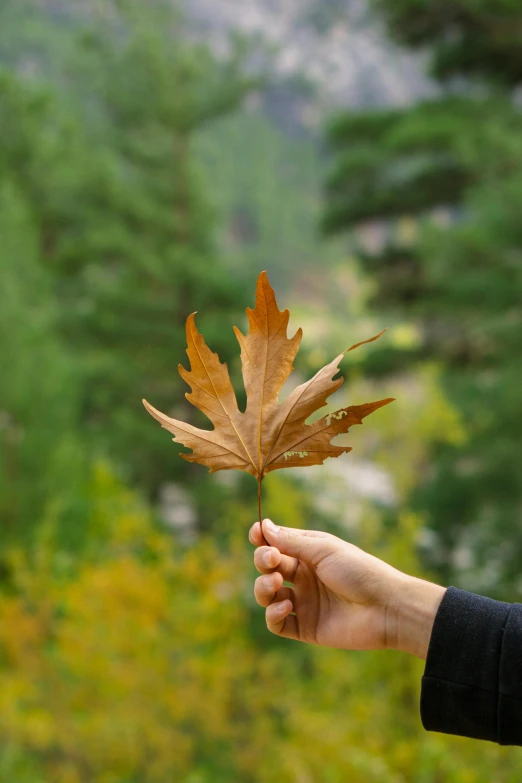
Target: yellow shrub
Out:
[140,663]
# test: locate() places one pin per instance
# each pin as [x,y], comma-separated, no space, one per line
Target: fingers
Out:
[268,559]
[255,535]
[287,546]
[269,589]
[309,545]
[265,588]
[280,621]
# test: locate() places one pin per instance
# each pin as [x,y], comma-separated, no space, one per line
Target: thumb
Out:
[309,545]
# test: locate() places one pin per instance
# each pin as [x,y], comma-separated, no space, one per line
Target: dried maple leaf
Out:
[268,435]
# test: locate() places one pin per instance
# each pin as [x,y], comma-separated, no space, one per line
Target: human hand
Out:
[341,596]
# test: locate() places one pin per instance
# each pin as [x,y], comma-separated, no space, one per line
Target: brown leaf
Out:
[268,435]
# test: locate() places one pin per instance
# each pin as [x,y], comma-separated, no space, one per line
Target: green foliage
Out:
[116,235]
[391,163]
[444,176]
[39,451]
[472,37]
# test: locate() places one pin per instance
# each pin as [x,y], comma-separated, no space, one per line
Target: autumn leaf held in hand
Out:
[267,435]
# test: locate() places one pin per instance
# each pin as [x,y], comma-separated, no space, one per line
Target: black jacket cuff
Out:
[472,683]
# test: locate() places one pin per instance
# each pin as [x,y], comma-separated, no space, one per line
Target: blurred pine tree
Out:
[134,248]
[102,161]
[452,166]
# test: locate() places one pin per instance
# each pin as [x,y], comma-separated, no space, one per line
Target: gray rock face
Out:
[337,44]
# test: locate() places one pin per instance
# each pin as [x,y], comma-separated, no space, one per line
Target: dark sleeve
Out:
[472,683]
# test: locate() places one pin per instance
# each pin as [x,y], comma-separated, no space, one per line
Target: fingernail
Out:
[269,525]
[267,558]
[280,607]
[268,583]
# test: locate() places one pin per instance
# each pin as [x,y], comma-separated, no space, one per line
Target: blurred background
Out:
[154,158]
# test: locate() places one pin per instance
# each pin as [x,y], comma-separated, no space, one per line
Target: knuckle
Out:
[263,584]
[265,558]
[267,582]
[258,556]
[263,590]
[270,624]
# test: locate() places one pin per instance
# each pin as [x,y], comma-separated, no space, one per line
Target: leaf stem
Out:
[259,482]
[259,499]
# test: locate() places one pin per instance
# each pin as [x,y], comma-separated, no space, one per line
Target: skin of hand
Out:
[340,596]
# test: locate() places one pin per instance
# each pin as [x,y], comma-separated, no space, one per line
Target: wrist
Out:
[415,606]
